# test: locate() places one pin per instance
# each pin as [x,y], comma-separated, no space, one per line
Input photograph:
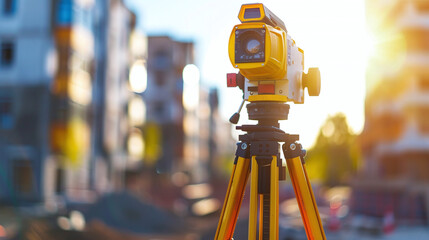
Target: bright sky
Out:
[331,32]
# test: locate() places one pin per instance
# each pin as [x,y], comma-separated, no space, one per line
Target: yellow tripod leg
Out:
[253,206]
[306,201]
[274,200]
[233,199]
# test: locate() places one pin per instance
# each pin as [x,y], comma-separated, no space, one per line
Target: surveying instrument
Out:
[271,73]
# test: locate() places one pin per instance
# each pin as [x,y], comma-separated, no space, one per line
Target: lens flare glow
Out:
[136,111]
[191,78]
[80,88]
[136,145]
[191,74]
[138,77]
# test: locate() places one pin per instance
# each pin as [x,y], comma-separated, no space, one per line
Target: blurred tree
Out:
[335,156]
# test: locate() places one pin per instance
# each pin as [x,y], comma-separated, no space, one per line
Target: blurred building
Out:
[27,57]
[165,132]
[395,139]
[64,95]
[72,92]
[183,124]
[222,145]
[118,94]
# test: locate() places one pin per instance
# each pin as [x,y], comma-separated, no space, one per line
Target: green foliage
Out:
[335,156]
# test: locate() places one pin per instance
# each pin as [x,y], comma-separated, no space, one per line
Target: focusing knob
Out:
[311,81]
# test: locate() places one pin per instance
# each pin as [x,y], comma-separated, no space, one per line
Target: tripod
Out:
[258,155]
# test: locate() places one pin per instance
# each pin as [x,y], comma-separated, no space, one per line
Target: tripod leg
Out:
[264,186]
[274,200]
[233,199]
[305,197]
[253,205]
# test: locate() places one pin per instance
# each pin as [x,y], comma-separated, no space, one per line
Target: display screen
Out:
[252,13]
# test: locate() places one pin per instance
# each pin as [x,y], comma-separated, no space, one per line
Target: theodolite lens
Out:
[250,45]
[253,46]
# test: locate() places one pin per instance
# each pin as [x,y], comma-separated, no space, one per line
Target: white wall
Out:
[29,28]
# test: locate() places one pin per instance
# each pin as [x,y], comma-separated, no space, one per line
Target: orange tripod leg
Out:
[233,199]
[305,198]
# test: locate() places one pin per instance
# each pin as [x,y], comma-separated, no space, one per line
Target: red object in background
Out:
[388,221]
[334,223]
[2,232]
[231,80]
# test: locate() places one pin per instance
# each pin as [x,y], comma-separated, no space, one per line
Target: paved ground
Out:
[401,233]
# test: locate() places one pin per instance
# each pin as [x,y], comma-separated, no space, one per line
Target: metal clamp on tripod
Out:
[271,74]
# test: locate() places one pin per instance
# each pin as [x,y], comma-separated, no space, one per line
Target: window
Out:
[417,40]
[422,6]
[9,7]
[6,117]
[64,12]
[162,61]
[23,176]
[423,120]
[59,181]
[423,83]
[159,110]
[160,78]
[7,53]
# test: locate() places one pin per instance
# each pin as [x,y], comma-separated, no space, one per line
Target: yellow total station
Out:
[261,48]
